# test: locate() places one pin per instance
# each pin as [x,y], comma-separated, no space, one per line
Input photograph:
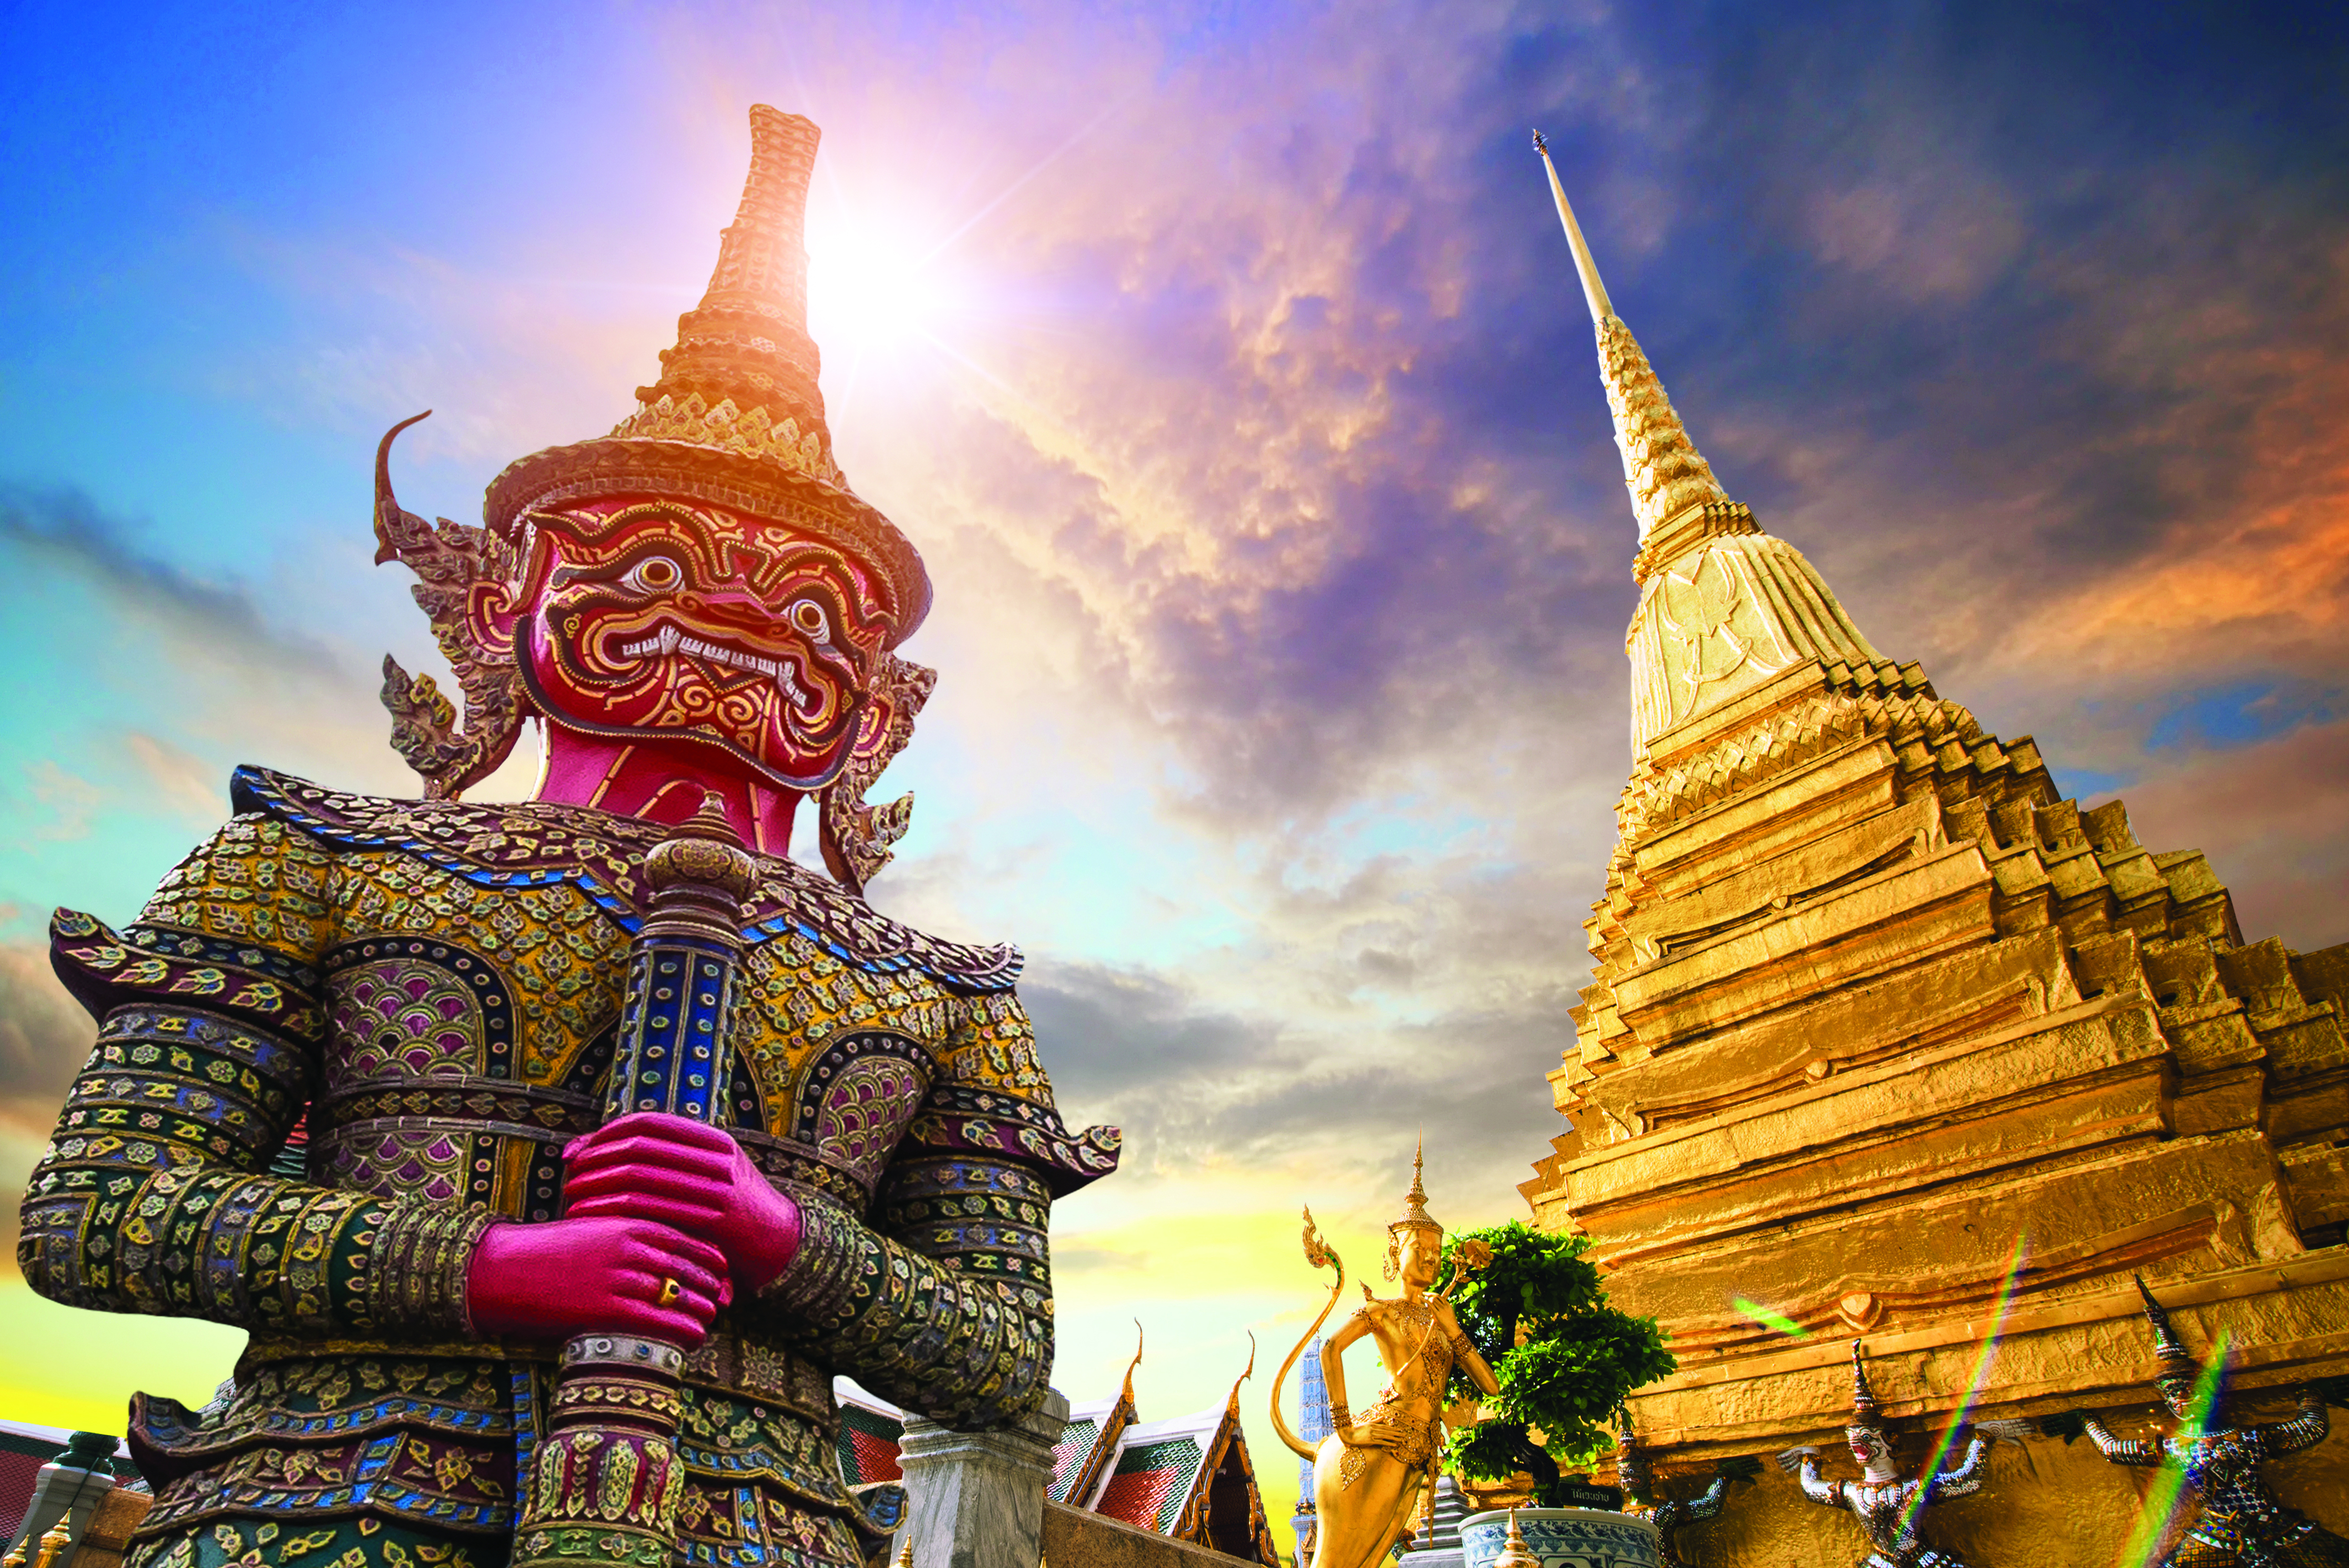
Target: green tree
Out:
[1563,1358]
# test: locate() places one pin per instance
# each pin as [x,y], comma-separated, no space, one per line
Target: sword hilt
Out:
[672,1052]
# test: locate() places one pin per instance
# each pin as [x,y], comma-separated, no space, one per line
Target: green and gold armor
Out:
[430,990]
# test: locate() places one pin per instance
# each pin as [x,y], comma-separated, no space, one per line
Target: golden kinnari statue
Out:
[1370,1472]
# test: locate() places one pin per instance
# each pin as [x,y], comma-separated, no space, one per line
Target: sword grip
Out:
[672,1053]
[603,1488]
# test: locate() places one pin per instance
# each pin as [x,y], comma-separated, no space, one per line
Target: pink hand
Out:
[654,1166]
[569,1276]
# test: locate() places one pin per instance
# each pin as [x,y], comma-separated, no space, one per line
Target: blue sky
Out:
[1227,364]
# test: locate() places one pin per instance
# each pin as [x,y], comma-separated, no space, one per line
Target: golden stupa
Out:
[1886,1036]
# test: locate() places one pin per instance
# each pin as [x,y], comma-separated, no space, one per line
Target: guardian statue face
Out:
[2177,1393]
[1868,1447]
[690,623]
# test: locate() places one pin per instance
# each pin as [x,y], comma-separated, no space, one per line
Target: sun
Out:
[877,279]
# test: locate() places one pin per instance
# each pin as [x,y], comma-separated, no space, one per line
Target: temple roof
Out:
[870,1432]
[1159,1476]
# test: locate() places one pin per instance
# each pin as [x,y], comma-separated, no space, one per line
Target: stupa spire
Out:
[1594,290]
[1661,468]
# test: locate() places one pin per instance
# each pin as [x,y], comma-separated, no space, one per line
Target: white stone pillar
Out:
[976,1500]
[68,1487]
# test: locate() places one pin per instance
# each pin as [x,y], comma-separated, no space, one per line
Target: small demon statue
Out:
[1886,1507]
[558,1155]
[1670,1515]
[2241,1524]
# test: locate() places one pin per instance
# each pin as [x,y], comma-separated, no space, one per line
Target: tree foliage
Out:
[1563,1358]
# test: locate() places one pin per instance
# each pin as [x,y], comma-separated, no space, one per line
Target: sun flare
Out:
[876,280]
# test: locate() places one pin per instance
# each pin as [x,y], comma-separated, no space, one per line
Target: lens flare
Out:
[874,279]
[2167,1493]
[1920,1494]
[1769,1319]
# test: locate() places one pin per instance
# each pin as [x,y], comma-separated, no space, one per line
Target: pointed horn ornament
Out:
[389,516]
[450,560]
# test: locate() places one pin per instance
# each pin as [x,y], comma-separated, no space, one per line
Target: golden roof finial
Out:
[1233,1403]
[1662,467]
[1125,1393]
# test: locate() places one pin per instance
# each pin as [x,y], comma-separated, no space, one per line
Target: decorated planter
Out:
[1563,1538]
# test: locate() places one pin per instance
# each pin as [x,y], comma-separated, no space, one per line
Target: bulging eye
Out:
[807,617]
[654,574]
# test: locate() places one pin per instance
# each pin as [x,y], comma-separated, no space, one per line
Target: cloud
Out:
[44,1037]
[66,527]
[204,667]
[1283,560]
[2273,818]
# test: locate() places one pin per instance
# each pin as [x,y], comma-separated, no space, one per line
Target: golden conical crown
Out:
[746,347]
[736,418]
[1414,1215]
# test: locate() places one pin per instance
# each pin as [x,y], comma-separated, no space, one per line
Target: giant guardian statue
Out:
[557,1156]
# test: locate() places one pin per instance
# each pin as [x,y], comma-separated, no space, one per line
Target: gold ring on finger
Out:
[669,1290]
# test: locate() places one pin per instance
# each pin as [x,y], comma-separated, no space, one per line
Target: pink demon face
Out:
[655,619]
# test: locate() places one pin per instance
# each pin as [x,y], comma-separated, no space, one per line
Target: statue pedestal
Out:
[1563,1538]
[976,1500]
[69,1488]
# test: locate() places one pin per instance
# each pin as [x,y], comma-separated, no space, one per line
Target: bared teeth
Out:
[784,673]
[664,641]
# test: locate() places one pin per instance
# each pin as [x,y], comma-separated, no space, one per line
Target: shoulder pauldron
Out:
[538,844]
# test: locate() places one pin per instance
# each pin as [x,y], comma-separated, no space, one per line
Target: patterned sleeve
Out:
[1966,1478]
[155,1193]
[943,1303]
[2304,1430]
[1817,1487]
[1707,1504]
[2121,1450]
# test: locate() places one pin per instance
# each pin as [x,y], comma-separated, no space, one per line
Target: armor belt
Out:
[726,1363]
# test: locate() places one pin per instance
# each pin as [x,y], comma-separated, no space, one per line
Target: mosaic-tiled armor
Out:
[1887,1508]
[436,985]
[1669,1515]
[2241,1524]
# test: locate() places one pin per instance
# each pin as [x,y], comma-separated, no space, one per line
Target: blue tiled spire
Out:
[1313,1425]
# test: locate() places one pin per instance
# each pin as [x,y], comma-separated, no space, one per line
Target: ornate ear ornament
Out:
[856,836]
[450,560]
